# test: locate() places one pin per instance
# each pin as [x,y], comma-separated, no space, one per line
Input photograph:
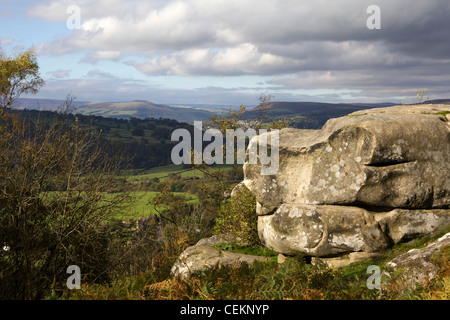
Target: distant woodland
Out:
[143,143]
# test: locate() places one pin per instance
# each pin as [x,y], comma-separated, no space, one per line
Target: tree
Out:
[137,131]
[19,74]
[55,183]
[181,224]
[264,105]
[55,193]
[238,217]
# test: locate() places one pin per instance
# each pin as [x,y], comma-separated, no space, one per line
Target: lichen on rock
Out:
[360,184]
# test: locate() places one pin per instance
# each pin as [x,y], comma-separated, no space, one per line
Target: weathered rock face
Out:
[417,264]
[325,230]
[203,255]
[365,181]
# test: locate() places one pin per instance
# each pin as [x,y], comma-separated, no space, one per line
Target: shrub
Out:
[238,217]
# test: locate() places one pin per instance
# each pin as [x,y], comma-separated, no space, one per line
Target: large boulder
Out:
[204,255]
[361,183]
[417,265]
[326,230]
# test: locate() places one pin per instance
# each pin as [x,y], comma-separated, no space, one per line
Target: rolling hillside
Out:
[145,143]
[313,115]
[308,115]
[304,115]
[122,110]
[142,110]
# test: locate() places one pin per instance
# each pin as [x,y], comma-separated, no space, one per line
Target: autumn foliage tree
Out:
[55,183]
[19,74]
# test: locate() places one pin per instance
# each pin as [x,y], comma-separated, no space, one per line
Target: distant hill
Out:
[42,104]
[122,110]
[309,115]
[439,101]
[143,109]
[305,115]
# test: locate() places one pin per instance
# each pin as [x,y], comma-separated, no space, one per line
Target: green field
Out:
[140,205]
[163,173]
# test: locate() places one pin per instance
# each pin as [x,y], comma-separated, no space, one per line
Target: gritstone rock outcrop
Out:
[362,183]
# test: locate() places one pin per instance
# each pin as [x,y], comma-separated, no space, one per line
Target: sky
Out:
[229,52]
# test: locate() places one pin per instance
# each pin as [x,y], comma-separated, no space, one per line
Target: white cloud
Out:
[60,74]
[242,59]
[6,41]
[95,56]
[96,73]
[56,10]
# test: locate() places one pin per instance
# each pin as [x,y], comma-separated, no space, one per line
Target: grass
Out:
[140,205]
[443,113]
[293,280]
[163,173]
